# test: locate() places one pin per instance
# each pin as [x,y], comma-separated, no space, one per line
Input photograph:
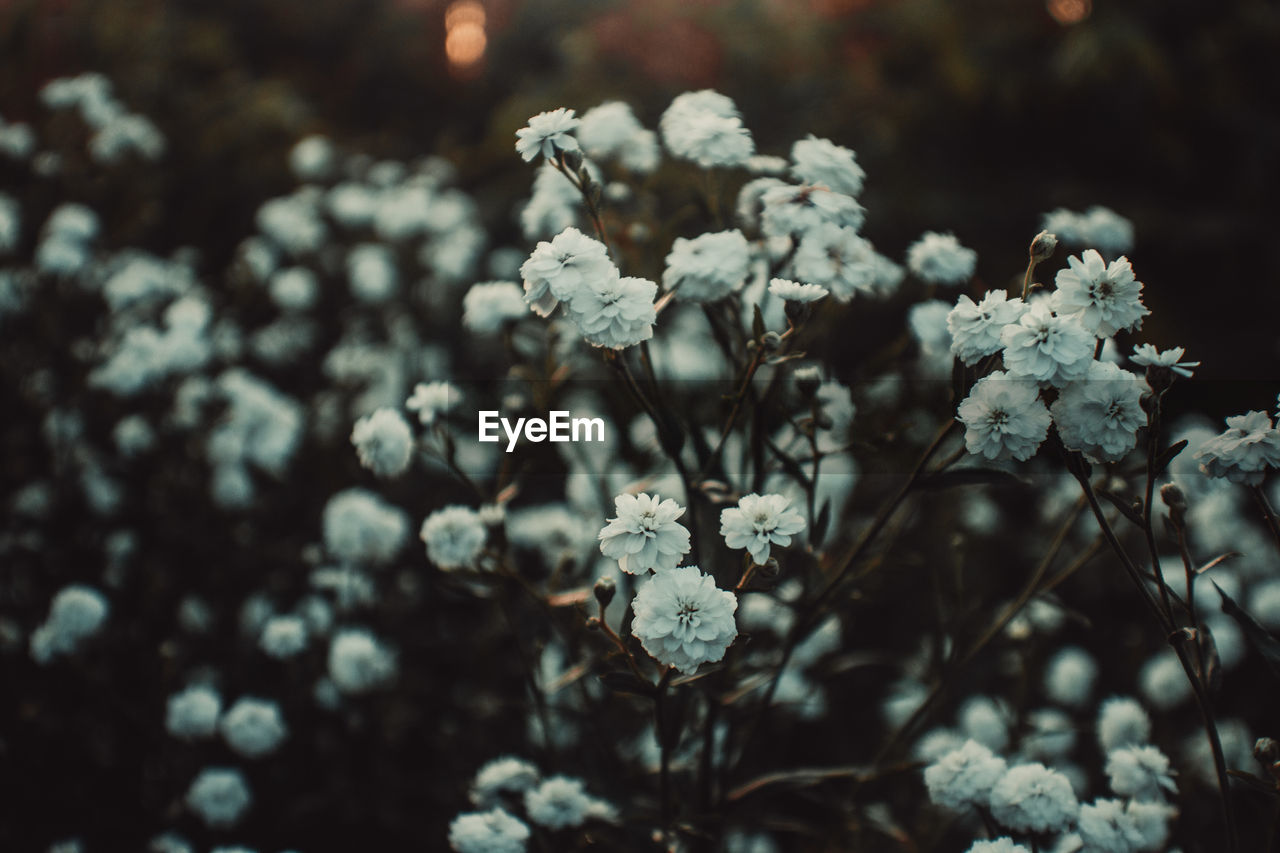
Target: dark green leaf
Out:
[621,681]
[819,531]
[1164,457]
[1127,508]
[1267,645]
[1254,782]
[757,324]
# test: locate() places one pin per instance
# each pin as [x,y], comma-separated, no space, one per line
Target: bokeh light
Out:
[465,39]
[1067,12]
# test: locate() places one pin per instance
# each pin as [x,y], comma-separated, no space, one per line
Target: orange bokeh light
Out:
[465,40]
[1068,12]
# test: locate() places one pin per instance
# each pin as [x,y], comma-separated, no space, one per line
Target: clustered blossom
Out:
[964,776]
[976,327]
[219,796]
[1122,722]
[940,259]
[645,535]
[494,831]
[253,727]
[1004,417]
[835,257]
[1033,798]
[706,127]
[560,802]
[358,662]
[360,529]
[77,613]
[193,713]
[1051,349]
[611,131]
[610,310]
[432,399]
[505,775]
[1105,298]
[490,305]
[1140,772]
[548,134]
[822,162]
[683,619]
[708,267]
[1098,227]
[384,442]
[1099,415]
[454,537]
[759,522]
[1244,452]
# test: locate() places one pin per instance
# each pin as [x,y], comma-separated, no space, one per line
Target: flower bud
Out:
[1043,246]
[1149,402]
[1159,377]
[808,379]
[604,591]
[1172,496]
[572,159]
[770,341]
[593,623]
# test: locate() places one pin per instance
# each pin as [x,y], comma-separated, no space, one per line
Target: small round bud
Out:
[808,379]
[770,341]
[770,569]
[604,590]
[593,623]
[1173,496]
[1043,246]
[572,159]
[1149,402]
[1159,377]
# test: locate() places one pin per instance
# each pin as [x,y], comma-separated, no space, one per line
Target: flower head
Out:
[1099,415]
[1122,721]
[493,831]
[705,127]
[358,662]
[794,291]
[835,257]
[559,802]
[557,271]
[615,312]
[193,713]
[1106,298]
[490,305]
[1170,359]
[1140,772]
[1033,798]
[1052,349]
[454,537]
[432,399]
[964,777]
[220,796]
[253,727]
[384,442]
[708,267]
[822,162]
[548,134]
[502,775]
[976,327]
[645,534]
[360,529]
[683,619]
[1004,417]
[758,522]
[940,259]
[1244,452]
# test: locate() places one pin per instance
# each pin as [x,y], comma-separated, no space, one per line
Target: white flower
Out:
[294,289]
[372,273]
[77,613]
[283,636]
[835,257]
[794,291]
[432,399]
[789,210]
[1163,682]
[705,127]
[1004,417]
[759,521]
[1105,298]
[220,796]
[982,719]
[384,442]
[454,537]
[312,158]
[559,802]
[358,662]
[822,162]
[1052,734]
[615,312]
[940,259]
[964,777]
[1244,452]
[1148,356]
[976,327]
[253,727]
[708,267]
[488,832]
[502,775]
[1069,677]
[1140,772]
[547,134]
[490,305]
[360,529]
[612,131]
[644,535]
[1122,722]
[1099,415]
[1033,798]
[682,619]
[1105,827]
[1151,822]
[1053,350]
[928,324]
[558,270]
[999,845]
[193,712]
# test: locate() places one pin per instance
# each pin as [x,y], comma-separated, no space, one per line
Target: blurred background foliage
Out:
[976,116]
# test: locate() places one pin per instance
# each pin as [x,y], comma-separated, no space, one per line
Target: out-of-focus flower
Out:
[705,127]
[193,713]
[253,727]
[359,528]
[384,442]
[219,796]
[708,267]
[454,537]
[505,775]
[490,305]
[359,663]
[794,291]
[822,162]
[1244,452]
[964,777]
[1140,772]
[493,831]
[940,259]
[432,399]
[1033,798]
[1122,722]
